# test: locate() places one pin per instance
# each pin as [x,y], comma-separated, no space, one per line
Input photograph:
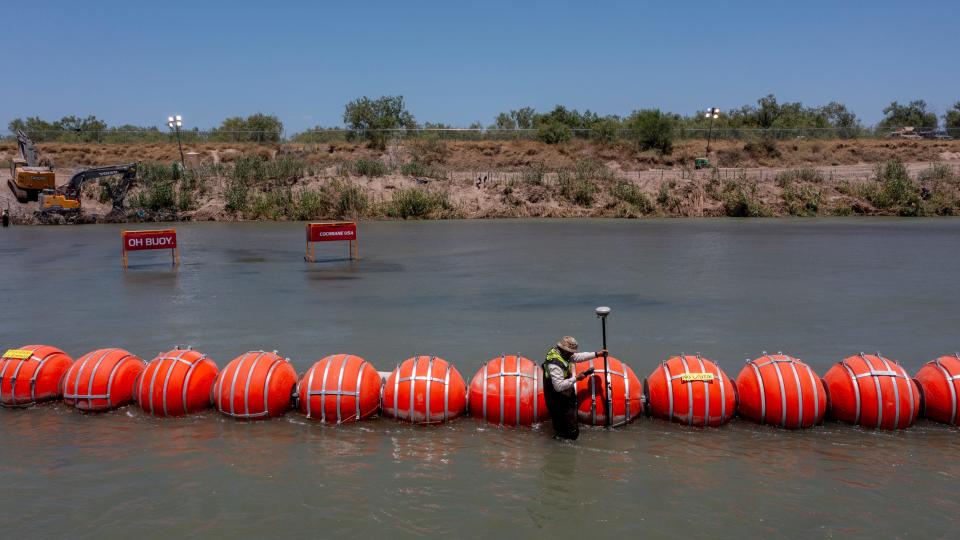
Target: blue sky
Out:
[459,62]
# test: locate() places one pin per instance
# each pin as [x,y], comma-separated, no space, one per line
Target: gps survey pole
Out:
[602,312]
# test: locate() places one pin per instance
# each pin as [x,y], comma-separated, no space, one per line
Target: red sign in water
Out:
[138,240]
[157,239]
[330,232]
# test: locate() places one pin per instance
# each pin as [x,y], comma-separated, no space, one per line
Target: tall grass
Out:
[741,199]
[894,190]
[633,196]
[422,169]
[418,203]
[252,169]
[367,167]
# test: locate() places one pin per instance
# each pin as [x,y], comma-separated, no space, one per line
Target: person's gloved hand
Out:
[583,375]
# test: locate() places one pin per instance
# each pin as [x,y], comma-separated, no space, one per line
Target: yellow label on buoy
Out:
[18,354]
[690,377]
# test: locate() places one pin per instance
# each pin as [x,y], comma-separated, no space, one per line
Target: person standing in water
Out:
[559,385]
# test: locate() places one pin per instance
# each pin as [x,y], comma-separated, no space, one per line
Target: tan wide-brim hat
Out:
[568,343]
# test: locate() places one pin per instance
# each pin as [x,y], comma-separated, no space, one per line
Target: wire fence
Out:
[655,177]
[152,135]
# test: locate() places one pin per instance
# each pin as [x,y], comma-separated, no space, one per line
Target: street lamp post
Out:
[712,113]
[175,123]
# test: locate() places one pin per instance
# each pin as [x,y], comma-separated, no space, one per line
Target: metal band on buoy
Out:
[951,384]
[339,392]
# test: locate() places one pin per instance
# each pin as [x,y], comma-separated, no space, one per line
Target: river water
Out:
[468,291]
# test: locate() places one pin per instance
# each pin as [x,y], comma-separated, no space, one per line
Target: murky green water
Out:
[467,291]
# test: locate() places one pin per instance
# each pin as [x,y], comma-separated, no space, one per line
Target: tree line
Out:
[376,120]
[254,128]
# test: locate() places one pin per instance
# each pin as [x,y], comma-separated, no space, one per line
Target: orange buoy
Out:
[340,388]
[32,374]
[254,386]
[508,391]
[102,380]
[176,383]
[940,381]
[626,393]
[872,391]
[781,390]
[691,390]
[424,390]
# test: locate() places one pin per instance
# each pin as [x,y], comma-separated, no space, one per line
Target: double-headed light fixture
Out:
[712,113]
[175,123]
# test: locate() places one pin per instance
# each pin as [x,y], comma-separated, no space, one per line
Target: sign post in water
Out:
[342,231]
[155,239]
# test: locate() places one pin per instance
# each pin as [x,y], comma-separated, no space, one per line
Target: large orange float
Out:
[626,393]
[254,386]
[940,381]
[176,383]
[424,390]
[508,391]
[781,390]
[872,391]
[102,380]
[32,374]
[340,388]
[691,390]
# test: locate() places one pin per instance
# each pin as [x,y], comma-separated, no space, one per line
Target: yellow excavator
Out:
[66,199]
[27,177]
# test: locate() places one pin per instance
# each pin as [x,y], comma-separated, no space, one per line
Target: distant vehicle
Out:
[907,132]
[27,176]
[701,163]
[937,134]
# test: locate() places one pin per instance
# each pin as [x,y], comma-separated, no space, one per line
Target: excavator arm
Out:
[27,150]
[67,198]
[129,172]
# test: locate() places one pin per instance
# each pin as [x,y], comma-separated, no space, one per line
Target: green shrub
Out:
[274,204]
[254,128]
[651,129]
[421,169]
[576,189]
[252,169]
[104,194]
[588,169]
[235,196]
[766,147]
[632,195]
[554,132]
[185,198]
[667,199]
[606,130]
[936,172]
[157,183]
[285,168]
[351,200]
[842,208]
[375,118]
[740,199]
[309,204]
[429,150]
[534,174]
[784,178]
[368,167]
[894,191]
[802,200]
[417,203]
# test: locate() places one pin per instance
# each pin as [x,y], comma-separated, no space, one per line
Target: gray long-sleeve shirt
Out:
[556,372]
